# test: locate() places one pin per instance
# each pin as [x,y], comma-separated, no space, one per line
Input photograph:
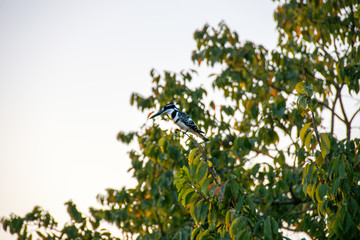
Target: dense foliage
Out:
[271,162]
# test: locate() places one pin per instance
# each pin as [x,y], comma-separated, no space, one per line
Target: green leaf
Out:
[240,204]
[302,101]
[267,227]
[236,226]
[335,187]
[245,234]
[255,169]
[324,206]
[205,186]
[342,172]
[309,172]
[275,227]
[73,212]
[234,188]
[204,212]
[320,192]
[251,204]
[212,190]
[348,222]
[186,196]
[304,186]
[201,172]
[197,211]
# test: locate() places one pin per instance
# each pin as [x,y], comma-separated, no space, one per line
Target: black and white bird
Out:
[181,119]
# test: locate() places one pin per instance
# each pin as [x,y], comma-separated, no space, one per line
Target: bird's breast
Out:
[183,126]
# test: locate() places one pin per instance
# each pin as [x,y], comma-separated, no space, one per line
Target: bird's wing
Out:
[188,121]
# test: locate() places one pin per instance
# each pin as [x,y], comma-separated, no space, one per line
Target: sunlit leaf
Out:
[299,87]
[303,131]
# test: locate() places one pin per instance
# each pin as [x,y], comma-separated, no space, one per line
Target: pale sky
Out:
[67,69]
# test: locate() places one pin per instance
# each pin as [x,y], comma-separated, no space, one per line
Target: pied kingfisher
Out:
[181,119]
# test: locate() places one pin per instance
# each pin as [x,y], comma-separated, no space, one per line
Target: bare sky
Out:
[67,69]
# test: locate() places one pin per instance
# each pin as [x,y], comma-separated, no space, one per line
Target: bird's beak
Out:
[157,114]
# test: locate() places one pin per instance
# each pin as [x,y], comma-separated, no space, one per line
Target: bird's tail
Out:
[200,134]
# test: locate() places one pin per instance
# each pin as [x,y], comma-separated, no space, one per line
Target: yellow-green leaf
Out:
[308,140]
[162,141]
[195,233]
[318,194]
[320,159]
[325,144]
[186,195]
[236,226]
[303,131]
[201,172]
[299,87]
[204,235]
[192,155]
[196,160]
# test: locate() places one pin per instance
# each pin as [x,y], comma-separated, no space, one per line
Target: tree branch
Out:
[346,121]
[333,112]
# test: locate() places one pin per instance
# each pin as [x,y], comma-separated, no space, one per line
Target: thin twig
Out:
[159,222]
[329,108]
[278,202]
[352,118]
[305,210]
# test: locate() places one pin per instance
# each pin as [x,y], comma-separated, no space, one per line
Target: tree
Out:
[271,161]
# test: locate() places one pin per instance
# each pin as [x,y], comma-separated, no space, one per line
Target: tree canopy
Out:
[273,161]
